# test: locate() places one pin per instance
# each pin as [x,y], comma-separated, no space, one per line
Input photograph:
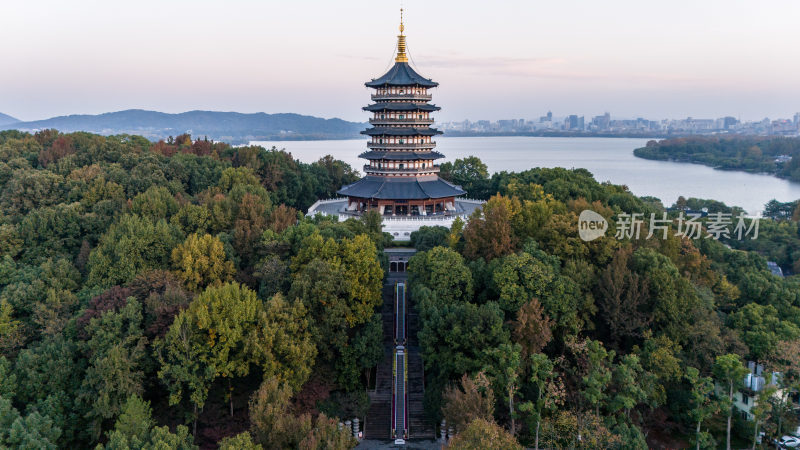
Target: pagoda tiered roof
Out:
[408,188]
[401,74]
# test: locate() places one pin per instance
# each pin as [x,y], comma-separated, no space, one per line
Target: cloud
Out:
[550,68]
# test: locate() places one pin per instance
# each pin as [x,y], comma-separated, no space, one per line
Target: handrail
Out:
[400,96]
[390,121]
[432,169]
[414,146]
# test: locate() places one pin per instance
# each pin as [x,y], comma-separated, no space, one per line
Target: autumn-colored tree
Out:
[200,262]
[481,434]
[251,221]
[281,341]
[488,233]
[11,334]
[271,420]
[60,148]
[532,328]
[623,295]
[281,218]
[473,399]
[579,430]
[326,435]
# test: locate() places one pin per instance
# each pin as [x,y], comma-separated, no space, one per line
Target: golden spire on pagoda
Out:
[401,42]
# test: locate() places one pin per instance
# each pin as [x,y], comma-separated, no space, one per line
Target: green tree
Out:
[241,441]
[506,368]
[29,432]
[185,363]
[520,277]
[427,238]
[729,372]
[443,271]
[200,261]
[226,316]
[598,378]
[155,203]
[549,392]
[470,173]
[116,349]
[134,430]
[762,329]
[702,403]
[130,247]
[627,379]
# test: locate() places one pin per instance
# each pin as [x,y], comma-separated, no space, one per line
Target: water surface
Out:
[609,159]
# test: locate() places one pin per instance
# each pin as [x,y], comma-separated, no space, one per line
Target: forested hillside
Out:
[775,155]
[619,341]
[172,295]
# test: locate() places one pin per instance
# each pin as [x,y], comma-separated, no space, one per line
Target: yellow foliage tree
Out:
[200,262]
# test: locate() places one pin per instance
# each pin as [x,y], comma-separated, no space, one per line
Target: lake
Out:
[609,159]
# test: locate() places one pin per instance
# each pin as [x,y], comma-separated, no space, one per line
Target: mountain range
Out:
[230,127]
[6,119]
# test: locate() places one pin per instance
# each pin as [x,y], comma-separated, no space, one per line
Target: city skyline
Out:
[517,59]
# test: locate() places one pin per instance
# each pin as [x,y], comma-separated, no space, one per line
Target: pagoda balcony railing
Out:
[408,146]
[379,97]
[374,121]
[388,171]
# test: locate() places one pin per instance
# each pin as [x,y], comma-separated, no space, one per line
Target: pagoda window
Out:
[382,116]
[402,141]
[402,116]
[401,166]
[380,141]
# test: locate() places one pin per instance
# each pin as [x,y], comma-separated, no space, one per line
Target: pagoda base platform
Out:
[400,227]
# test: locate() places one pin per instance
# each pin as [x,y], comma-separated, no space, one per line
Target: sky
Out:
[493,60]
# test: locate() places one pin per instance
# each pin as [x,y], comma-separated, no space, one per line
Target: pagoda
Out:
[401,177]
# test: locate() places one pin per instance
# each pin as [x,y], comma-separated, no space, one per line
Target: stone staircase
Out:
[378,423]
[379,417]
[418,425]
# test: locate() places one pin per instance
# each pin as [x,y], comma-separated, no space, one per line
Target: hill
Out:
[6,119]
[228,126]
